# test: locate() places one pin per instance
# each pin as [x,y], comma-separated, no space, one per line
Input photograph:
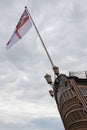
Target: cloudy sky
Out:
[25,103]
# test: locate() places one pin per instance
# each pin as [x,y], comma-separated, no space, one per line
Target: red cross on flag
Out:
[22,28]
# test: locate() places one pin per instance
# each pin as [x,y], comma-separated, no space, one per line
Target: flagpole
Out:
[41,39]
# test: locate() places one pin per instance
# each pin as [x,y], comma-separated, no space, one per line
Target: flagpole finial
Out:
[25,7]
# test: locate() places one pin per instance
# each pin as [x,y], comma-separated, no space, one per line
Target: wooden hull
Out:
[71,109]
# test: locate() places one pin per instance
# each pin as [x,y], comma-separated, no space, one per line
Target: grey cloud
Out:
[47,123]
[63,27]
[36,123]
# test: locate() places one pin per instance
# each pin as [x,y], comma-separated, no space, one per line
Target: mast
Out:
[43,44]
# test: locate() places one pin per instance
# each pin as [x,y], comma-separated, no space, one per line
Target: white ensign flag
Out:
[22,28]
